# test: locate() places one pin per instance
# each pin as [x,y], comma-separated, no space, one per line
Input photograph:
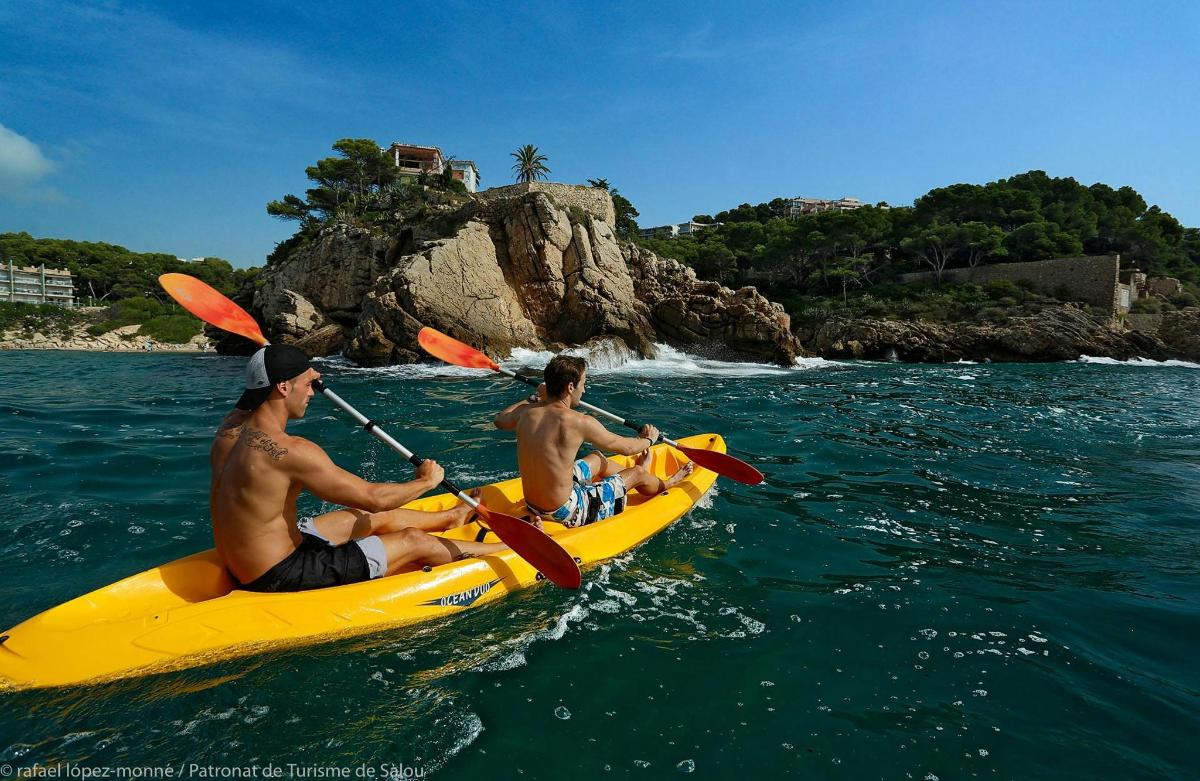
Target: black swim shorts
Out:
[316,563]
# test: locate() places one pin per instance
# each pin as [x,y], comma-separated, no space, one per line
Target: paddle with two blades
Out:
[528,541]
[452,351]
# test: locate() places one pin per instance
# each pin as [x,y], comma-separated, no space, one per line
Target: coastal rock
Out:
[604,352]
[1180,332]
[1052,334]
[332,274]
[123,339]
[522,271]
[708,318]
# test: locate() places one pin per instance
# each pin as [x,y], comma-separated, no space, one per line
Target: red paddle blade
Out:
[453,351]
[724,465]
[211,306]
[535,546]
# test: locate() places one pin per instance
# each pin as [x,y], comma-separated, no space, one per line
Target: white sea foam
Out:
[667,361]
[1105,361]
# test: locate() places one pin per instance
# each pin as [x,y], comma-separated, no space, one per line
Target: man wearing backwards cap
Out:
[259,470]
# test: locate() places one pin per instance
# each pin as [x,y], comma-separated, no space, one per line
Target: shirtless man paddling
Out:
[258,470]
[549,433]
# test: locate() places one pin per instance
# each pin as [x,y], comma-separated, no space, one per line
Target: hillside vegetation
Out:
[810,259]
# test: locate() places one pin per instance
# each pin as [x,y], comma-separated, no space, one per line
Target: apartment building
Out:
[39,285]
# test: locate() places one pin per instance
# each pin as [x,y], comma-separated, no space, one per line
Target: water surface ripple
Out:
[951,571]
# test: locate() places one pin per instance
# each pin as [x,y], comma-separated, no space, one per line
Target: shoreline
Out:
[191,349]
[120,340]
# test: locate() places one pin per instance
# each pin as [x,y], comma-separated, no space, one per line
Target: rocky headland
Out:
[536,266]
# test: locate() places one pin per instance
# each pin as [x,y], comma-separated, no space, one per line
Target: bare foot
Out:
[679,476]
[461,513]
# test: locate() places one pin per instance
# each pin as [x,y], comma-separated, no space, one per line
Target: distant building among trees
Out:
[799,206]
[413,160]
[40,285]
[675,231]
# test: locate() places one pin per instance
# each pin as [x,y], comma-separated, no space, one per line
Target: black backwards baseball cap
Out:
[273,363]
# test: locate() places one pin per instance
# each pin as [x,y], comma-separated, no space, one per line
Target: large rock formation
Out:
[1052,334]
[707,318]
[1180,333]
[521,270]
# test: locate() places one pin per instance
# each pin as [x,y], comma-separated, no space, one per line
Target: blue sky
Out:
[167,127]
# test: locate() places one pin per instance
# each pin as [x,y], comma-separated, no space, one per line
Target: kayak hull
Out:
[188,612]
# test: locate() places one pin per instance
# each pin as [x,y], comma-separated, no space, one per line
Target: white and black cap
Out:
[273,363]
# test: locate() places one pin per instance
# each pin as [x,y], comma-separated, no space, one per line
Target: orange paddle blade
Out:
[724,465]
[211,306]
[535,546]
[451,350]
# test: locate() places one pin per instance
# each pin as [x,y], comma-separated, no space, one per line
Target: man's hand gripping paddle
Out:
[450,350]
[528,541]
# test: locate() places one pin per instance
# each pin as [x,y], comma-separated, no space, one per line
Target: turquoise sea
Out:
[952,571]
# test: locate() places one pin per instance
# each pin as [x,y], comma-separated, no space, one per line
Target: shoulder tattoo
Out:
[260,441]
[229,430]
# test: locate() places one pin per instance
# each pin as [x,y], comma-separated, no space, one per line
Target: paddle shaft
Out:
[603,413]
[373,428]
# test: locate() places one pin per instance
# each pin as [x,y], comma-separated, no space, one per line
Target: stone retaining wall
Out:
[496,202]
[1092,278]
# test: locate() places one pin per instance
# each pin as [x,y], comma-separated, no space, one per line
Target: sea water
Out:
[951,571]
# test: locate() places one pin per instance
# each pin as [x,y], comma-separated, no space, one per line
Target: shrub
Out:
[1001,289]
[43,318]
[1148,305]
[103,327]
[175,329]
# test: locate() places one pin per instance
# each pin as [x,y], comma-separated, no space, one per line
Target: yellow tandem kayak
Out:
[187,612]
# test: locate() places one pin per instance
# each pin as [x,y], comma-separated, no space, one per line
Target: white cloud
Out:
[22,164]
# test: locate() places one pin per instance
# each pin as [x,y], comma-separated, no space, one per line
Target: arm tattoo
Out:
[260,441]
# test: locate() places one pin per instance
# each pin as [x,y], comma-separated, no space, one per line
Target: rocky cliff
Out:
[521,269]
[1052,334]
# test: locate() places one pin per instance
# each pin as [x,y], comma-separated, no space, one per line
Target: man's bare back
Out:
[549,435]
[259,470]
[254,515]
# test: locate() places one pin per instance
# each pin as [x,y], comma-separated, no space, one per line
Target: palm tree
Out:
[530,165]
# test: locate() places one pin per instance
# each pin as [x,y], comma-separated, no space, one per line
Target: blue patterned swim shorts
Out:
[589,502]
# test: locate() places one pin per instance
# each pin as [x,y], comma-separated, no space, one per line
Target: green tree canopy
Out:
[351,181]
[110,272]
[1029,216]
